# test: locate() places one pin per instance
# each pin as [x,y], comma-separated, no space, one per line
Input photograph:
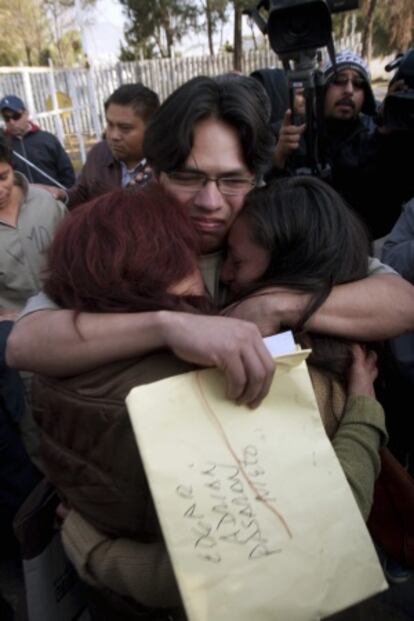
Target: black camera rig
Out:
[398,110]
[297,30]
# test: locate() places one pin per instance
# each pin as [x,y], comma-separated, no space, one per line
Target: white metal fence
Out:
[85,90]
[70,101]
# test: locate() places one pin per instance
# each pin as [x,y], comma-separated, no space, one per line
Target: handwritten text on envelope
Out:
[257,515]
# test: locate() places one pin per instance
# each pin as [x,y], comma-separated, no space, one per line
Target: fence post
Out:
[55,103]
[93,104]
[28,92]
[76,116]
[118,68]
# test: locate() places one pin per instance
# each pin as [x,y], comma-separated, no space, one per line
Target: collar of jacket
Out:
[33,128]
[107,157]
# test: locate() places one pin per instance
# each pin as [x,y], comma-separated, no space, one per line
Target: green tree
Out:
[156,25]
[238,7]
[384,26]
[33,31]
[62,20]
[401,24]
[24,25]
[369,7]
[215,14]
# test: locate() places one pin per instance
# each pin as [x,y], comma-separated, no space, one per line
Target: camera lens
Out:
[299,27]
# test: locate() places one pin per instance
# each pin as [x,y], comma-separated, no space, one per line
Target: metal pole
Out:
[76,115]
[28,92]
[53,94]
[39,170]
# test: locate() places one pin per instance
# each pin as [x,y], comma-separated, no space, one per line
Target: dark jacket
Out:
[370,170]
[44,150]
[100,174]
[88,446]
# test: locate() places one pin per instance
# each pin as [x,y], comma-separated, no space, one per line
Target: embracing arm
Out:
[50,342]
[357,443]
[362,431]
[375,308]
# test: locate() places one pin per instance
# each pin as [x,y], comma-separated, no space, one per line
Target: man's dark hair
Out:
[5,149]
[141,99]
[239,101]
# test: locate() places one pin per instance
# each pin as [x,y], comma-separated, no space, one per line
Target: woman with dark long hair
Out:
[298,234]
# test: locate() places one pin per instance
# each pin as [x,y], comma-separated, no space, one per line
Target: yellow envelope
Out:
[256,512]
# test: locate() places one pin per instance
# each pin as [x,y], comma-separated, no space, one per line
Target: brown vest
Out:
[88,446]
[89,449]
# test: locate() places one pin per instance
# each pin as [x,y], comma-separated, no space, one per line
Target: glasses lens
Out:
[193,182]
[358,83]
[15,116]
[187,181]
[235,185]
[343,81]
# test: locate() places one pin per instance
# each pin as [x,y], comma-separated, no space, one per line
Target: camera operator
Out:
[368,163]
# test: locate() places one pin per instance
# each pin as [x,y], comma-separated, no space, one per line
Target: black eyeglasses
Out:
[14,116]
[194,182]
[342,80]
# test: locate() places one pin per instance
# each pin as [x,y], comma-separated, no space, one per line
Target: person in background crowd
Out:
[297,233]
[41,148]
[117,160]
[365,160]
[29,217]
[398,251]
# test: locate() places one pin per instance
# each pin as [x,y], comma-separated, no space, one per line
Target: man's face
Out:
[17,123]
[345,95]
[6,184]
[216,152]
[124,133]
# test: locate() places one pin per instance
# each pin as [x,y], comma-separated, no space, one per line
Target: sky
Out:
[103,27]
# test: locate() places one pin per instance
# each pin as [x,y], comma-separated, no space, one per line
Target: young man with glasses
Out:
[208,144]
[39,147]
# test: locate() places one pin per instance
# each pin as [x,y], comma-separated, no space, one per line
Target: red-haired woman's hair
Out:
[121,252]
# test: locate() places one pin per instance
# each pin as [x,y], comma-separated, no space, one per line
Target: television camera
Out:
[297,30]
[398,112]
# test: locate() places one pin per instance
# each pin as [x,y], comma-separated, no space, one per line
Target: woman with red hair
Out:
[128,251]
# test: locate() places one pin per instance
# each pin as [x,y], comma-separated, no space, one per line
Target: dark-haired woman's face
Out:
[246,261]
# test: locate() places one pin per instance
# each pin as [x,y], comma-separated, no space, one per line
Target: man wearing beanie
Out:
[357,151]
[348,89]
